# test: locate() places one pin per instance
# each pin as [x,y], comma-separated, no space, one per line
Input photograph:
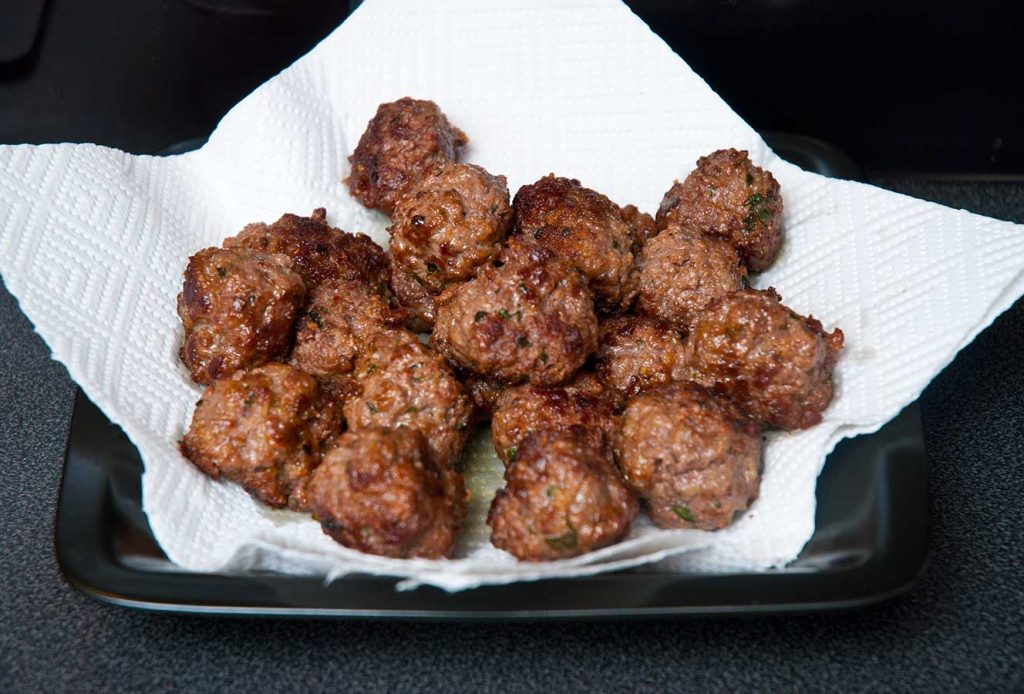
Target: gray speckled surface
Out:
[961,628]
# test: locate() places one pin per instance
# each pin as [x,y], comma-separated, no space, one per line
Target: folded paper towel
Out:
[93,241]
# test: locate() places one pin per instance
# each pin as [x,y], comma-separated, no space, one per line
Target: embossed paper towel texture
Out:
[93,242]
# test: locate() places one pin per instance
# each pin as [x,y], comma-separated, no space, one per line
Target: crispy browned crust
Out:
[531,319]
[238,309]
[562,498]
[399,381]
[319,251]
[635,354]
[583,228]
[449,224]
[379,491]
[774,363]
[641,227]
[692,456]
[522,410]
[727,196]
[404,140]
[340,316]
[265,428]
[682,271]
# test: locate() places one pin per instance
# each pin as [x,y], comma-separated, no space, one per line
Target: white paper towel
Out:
[93,242]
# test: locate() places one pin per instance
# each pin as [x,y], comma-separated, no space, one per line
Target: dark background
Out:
[931,88]
[907,85]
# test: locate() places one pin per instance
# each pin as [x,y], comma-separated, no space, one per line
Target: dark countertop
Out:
[961,627]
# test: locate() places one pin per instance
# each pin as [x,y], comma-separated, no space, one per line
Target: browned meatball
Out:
[532,319]
[692,456]
[524,409]
[238,309]
[562,498]
[583,228]
[340,316]
[265,428]
[773,362]
[636,353]
[379,491]
[641,227]
[401,382]
[484,393]
[319,251]
[404,140]
[681,272]
[416,302]
[449,224]
[727,196]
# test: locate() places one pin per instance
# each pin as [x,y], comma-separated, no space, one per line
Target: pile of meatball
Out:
[620,359]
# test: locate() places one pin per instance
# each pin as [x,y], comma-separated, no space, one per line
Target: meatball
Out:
[416,302]
[319,251]
[727,196]
[399,381]
[774,363]
[562,498]
[641,227]
[238,309]
[404,140]
[484,393]
[265,428]
[451,223]
[531,319]
[636,353]
[583,228]
[340,315]
[378,491]
[692,456]
[681,272]
[524,409]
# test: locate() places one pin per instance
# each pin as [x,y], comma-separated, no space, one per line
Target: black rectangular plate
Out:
[870,540]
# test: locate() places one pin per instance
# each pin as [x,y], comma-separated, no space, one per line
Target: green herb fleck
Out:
[314,316]
[683,512]
[249,398]
[518,315]
[480,315]
[370,369]
[544,357]
[523,289]
[550,491]
[755,199]
[717,504]
[431,268]
[566,541]
[418,279]
[505,315]
[373,408]
[412,409]
[522,341]
[510,453]
[222,272]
